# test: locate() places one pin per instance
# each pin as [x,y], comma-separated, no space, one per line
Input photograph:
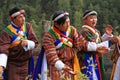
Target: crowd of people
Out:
[65,51]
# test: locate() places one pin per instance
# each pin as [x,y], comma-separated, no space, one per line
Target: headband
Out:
[17,13]
[61,15]
[90,13]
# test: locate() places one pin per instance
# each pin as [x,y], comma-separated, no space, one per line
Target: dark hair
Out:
[109,26]
[13,10]
[62,19]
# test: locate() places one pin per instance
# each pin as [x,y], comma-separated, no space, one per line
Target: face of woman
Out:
[91,20]
[19,20]
[108,30]
[63,27]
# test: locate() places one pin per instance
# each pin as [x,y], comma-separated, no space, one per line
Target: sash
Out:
[62,38]
[93,31]
[17,34]
[39,68]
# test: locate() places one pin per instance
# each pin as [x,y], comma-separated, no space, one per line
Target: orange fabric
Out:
[76,67]
[113,70]
[15,43]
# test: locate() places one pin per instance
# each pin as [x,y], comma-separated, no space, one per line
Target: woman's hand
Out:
[69,70]
[24,43]
[114,40]
[102,50]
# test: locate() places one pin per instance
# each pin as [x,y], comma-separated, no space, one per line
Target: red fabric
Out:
[97,59]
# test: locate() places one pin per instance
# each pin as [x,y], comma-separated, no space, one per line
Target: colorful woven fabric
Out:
[92,63]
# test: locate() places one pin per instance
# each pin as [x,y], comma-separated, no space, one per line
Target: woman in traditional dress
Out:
[91,62]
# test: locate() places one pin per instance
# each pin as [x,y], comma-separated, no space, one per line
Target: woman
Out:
[91,62]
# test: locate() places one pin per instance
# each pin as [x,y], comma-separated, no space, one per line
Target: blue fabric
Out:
[110,43]
[38,64]
[57,42]
[13,37]
[90,63]
[16,27]
[31,66]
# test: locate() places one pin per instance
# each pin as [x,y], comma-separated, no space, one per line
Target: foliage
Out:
[62,77]
[39,10]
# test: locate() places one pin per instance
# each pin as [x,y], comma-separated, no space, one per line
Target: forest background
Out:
[39,10]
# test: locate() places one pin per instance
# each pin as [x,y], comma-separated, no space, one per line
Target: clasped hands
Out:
[115,40]
[103,49]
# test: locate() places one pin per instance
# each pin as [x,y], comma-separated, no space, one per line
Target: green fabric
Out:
[56,37]
[8,30]
[102,68]
[11,33]
[89,36]
[25,36]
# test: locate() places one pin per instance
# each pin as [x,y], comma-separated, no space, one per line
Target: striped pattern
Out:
[18,60]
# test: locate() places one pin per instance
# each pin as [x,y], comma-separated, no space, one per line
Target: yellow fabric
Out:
[15,32]
[113,70]
[15,43]
[76,67]
[66,42]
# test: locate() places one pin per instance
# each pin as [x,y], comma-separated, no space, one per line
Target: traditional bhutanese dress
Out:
[91,63]
[18,56]
[58,47]
[115,75]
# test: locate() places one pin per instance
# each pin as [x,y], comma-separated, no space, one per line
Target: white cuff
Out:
[3,60]
[59,65]
[105,43]
[30,46]
[92,46]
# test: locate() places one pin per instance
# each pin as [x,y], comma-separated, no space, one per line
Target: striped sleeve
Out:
[50,49]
